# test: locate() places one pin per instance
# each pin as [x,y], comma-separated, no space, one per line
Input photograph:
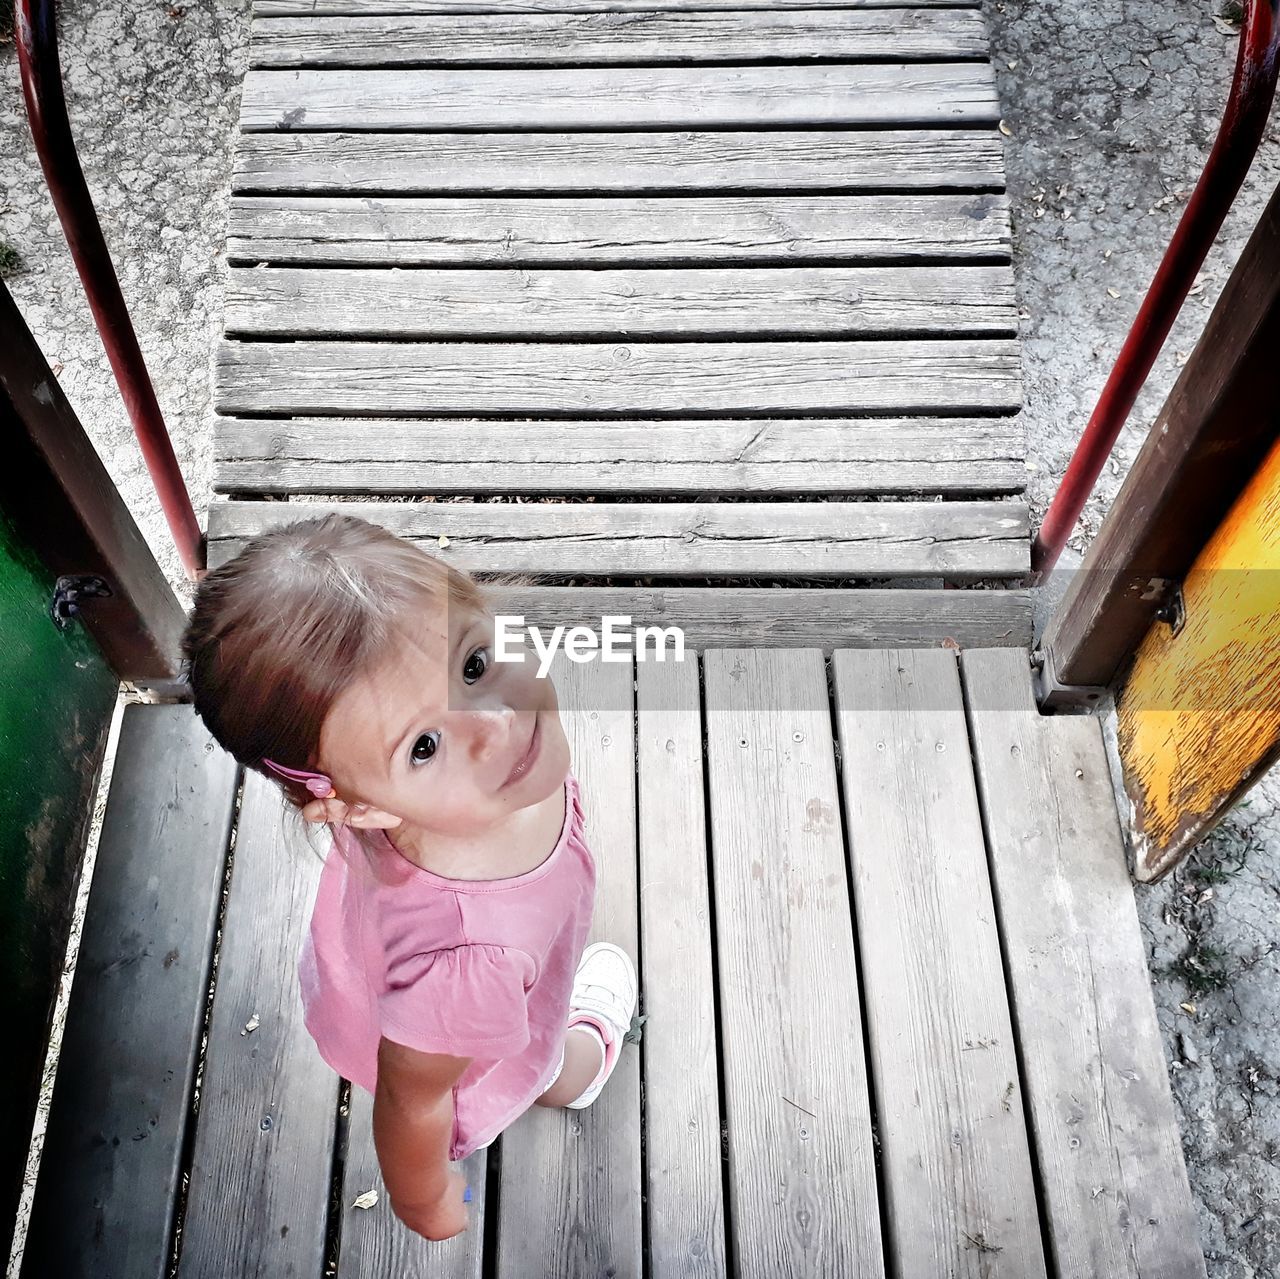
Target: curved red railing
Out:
[1243,122]
[37,42]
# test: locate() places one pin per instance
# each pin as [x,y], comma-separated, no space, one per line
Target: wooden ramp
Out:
[899,1019]
[669,298]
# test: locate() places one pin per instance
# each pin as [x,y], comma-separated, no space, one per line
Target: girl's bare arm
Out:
[412,1130]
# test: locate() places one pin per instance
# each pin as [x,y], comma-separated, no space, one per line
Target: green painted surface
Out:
[56,697]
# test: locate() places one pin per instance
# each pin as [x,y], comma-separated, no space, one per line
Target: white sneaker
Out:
[606,988]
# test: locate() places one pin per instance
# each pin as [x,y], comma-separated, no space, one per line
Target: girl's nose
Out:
[492,731]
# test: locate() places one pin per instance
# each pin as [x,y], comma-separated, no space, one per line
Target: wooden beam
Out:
[372,8]
[1112,1178]
[781,160]
[801,1165]
[593,98]
[560,39]
[1199,715]
[112,1166]
[57,492]
[1216,427]
[947,1086]
[683,1163]
[963,375]
[691,539]
[781,229]
[469,304]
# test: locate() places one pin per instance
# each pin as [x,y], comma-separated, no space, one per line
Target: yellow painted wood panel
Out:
[1199,718]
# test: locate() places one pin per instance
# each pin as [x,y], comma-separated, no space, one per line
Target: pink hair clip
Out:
[317,783]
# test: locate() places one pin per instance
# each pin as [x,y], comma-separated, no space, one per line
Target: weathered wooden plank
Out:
[776,456]
[566,39]
[683,1184]
[569,1194]
[915,376]
[340,8]
[801,1173]
[813,617]
[621,97]
[373,1240]
[777,160]
[259,1190]
[111,1167]
[953,1139]
[813,539]
[816,617]
[655,302]
[514,231]
[1111,1170]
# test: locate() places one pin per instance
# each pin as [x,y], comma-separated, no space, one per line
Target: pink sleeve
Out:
[466,1002]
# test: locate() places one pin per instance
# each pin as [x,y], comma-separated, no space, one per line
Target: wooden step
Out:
[653,38]
[774,456]
[748,160]
[636,230]
[750,539]
[776,378]
[374,8]
[653,302]
[929,93]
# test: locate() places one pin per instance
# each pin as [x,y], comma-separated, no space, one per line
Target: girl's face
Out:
[445,738]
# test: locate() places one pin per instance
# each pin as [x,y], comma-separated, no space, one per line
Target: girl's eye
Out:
[425,747]
[475,665]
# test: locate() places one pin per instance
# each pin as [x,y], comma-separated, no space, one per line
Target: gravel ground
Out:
[1111,109]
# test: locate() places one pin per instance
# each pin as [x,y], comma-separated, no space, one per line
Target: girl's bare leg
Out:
[582,1062]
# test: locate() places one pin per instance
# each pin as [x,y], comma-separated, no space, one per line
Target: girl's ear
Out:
[337,812]
[371,818]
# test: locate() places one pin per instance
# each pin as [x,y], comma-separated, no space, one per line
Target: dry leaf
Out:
[1004,128]
[1227,28]
[366,1200]
[1197,285]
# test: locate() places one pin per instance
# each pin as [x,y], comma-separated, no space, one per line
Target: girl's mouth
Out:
[530,756]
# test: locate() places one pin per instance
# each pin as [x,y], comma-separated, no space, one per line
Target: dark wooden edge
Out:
[1218,424]
[112,1162]
[55,489]
[24,1098]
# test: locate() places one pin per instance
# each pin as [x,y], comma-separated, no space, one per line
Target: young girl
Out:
[444,969]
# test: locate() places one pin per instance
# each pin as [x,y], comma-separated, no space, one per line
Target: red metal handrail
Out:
[37,41]
[1243,122]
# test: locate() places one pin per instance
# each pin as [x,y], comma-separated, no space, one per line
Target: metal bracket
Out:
[69,591]
[1053,695]
[1173,608]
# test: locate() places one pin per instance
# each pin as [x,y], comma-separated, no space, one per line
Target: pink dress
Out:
[469,968]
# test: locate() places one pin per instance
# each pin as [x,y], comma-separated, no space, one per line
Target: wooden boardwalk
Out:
[899,1019]
[699,311]
[654,301]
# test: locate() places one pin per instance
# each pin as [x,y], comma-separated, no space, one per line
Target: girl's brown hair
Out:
[303,611]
